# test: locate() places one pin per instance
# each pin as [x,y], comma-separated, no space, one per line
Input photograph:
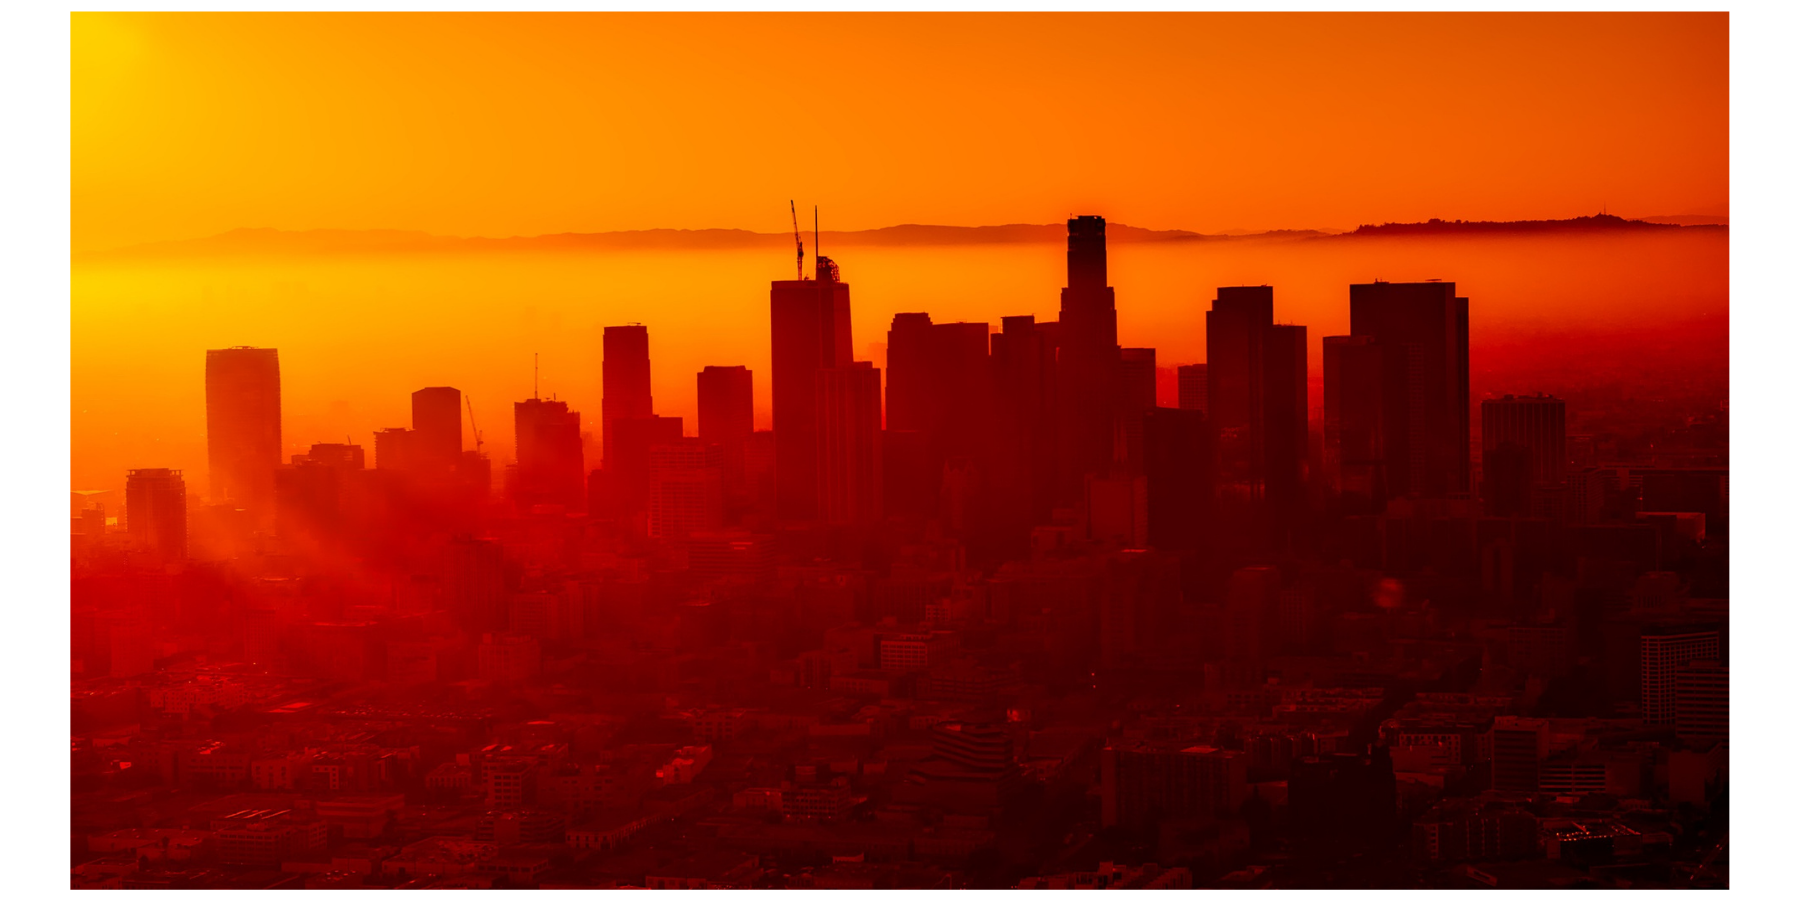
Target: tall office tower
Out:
[243,426]
[912,379]
[1356,432]
[156,512]
[1191,386]
[1087,378]
[1428,323]
[1022,471]
[1236,328]
[937,386]
[1178,469]
[310,492]
[437,430]
[687,487]
[547,442]
[1535,427]
[625,379]
[727,419]
[474,577]
[1284,419]
[848,404]
[1520,747]
[1703,701]
[1506,480]
[809,330]
[759,471]
[1137,396]
[628,471]
[394,449]
[1660,661]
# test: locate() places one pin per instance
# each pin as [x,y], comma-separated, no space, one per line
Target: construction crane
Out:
[799,248]
[472,426]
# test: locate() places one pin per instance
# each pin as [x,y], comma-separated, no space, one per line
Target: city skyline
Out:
[1177,451]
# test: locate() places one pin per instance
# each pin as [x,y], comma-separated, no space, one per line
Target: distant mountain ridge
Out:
[252,243]
[1598,222]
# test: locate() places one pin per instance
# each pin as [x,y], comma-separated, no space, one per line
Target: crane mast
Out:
[799,248]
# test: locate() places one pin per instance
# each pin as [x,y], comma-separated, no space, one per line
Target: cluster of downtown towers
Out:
[992,434]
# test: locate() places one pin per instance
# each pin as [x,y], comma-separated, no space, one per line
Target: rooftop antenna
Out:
[799,247]
[815,231]
[534,376]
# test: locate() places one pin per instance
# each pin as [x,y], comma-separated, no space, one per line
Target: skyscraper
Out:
[156,512]
[1191,386]
[625,379]
[1137,396]
[437,429]
[1256,385]
[848,406]
[1024,463]
[1236,327]
[628,470]
[394,450]
[1356,434]
[243,426]
[937,386]
[1284,430]
[1178,472]
[1429,325]
[809,328]
[1531,428]
[727,419]
[1087,387]
[686,487]
[547,440]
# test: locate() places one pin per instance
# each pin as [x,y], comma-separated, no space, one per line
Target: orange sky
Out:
[186,125]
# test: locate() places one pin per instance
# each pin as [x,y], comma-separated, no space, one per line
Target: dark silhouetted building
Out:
[687,487]
[156,512]
[937,385]
[1178,472]
[1284,417]
[848,409]
[547,437]
[625,380]
[727,418]
[1191,386]
[1358,372]
[1524,454]
[809,325]
[628,471]
[1137,396]
[1087,385]
[1427,324]
[394,450]
[1145,782]
[1022,473]
[1236,328]
[1256,386]
[310,492]
[437,430]
[243,426]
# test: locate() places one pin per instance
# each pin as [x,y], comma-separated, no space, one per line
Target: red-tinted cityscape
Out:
[1388,592]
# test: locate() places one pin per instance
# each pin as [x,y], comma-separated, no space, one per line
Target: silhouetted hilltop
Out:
[256,243]
[252,243]
[1601,222]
